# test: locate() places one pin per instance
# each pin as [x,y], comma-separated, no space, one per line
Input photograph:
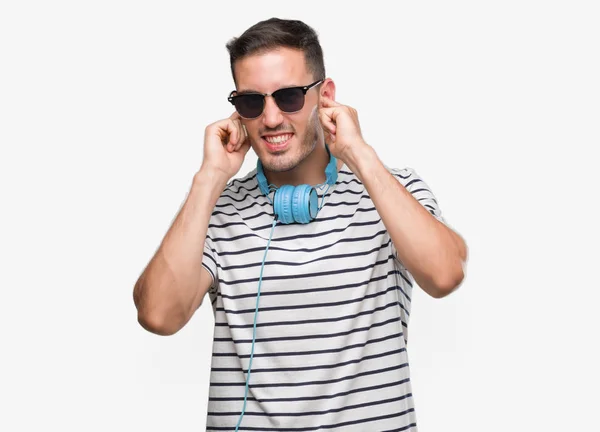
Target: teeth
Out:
[278,139]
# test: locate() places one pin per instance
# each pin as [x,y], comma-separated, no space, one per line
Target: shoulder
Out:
[241,187]
[409,178]
[241,196]
[406,175]
[420,190]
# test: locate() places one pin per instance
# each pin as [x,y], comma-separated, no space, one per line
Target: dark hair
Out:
[274,33]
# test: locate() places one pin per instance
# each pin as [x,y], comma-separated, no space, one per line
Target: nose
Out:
[272,116]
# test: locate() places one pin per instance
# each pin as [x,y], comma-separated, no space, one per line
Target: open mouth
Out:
[278,142]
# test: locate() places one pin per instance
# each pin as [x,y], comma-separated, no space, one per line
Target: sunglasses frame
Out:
[304,89]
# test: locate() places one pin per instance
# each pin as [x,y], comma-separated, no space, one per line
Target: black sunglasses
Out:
[289,100]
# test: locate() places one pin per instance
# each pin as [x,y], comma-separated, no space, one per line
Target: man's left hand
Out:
[341,128]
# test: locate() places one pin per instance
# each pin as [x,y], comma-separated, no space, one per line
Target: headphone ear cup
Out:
[283,204]
[303,204]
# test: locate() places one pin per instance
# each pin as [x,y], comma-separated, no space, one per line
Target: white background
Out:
[103,106]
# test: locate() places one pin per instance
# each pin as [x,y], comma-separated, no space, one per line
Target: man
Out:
[310,288]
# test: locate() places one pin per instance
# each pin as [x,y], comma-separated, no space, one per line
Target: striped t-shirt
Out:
[331,330]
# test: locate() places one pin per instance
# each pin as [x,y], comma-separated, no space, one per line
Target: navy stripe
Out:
[268,226]
[346,203]
[313,290]
[296,237]
[338,425]
[311,383]
[308,275]
[347,182]
[313,352]
[323,289]
[210,271]
[412,182]
[401,176]
[237,215]
[307,368]
[210,258]
[267,203]
[311,413]
[312,398]
[241,181]
[308,337]
[244,198]
[402,306]
[310,305]
[262,248]
[301,263]
[420,190]
[261,195]
[254,204]
[256,187]
[402,429]
[312,321]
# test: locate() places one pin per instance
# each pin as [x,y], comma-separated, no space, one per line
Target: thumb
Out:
[245,147]
[329,137]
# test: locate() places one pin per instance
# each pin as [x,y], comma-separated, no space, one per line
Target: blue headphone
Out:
[296,203]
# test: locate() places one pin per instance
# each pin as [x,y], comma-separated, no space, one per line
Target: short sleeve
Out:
[414,184]
[208,260]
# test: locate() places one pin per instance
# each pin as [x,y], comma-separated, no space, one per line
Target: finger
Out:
[242,135]
[329,137]
[235,116]
[221,129]
[326,117]
[229,134]
[328,102]
[244,148]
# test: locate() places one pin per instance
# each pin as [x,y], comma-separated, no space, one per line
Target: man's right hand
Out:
[225,145]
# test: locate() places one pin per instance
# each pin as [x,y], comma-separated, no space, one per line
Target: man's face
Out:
[280,140]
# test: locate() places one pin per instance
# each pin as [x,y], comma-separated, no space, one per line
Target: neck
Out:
[310,171]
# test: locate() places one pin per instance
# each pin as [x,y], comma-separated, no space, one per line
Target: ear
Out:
[327,89]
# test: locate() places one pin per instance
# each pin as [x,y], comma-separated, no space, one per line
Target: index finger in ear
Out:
[327,102]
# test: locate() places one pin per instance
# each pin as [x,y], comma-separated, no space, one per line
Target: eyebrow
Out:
[247,91]
[240,92]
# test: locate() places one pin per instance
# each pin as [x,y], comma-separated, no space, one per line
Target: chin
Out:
[278,157]
[279,162]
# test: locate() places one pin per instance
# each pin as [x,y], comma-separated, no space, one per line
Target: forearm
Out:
[431,252]
[169,289]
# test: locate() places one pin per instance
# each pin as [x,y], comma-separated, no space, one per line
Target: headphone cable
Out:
[254,330]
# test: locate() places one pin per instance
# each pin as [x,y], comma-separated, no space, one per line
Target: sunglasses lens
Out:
[289,99]
[249,105]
